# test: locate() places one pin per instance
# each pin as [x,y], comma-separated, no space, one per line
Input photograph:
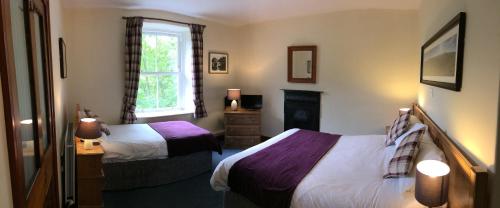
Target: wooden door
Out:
[26,76]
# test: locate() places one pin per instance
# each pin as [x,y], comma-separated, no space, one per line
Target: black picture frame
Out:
[62,58]
[218,62]
[440,63]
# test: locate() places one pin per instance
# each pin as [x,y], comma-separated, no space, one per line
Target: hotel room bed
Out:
[351,174]
[137,156]
[144,155]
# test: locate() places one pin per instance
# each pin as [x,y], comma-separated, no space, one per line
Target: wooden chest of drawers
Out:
[242,127]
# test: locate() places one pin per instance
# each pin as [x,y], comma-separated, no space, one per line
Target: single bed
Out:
[350,174]
[145,155]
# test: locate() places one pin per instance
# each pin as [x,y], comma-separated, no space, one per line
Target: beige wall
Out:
[56,29]
[468,116]
[367,67]
[96,62]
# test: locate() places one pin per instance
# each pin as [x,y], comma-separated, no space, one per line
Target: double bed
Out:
[350,169]
[145,155]
[351,174]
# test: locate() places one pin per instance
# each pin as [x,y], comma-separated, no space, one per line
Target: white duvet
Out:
[133,142]
[348,175]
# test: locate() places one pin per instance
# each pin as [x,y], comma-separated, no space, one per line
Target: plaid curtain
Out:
[197,39]
[133,39]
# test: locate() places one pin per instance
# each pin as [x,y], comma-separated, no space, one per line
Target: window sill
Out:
[163,113]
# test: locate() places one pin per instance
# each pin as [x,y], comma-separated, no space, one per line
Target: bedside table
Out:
[89,175]
[242,127]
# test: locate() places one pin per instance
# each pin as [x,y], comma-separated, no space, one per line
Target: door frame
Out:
[9,87]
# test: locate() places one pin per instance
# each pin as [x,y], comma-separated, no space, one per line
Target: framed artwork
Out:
[217,63]
[62,58]
[442,56]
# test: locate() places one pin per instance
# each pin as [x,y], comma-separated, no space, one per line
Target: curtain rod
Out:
[166,20]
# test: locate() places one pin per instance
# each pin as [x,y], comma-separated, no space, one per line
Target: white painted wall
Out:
[57,30]
[367,67]
[468,116]
[96,62]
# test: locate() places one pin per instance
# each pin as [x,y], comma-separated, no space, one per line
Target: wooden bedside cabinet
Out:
[89,175]
[242,127]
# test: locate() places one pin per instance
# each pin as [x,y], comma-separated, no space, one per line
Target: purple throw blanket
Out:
[269,177]
[184,138]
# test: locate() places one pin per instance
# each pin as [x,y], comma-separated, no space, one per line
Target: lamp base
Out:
[87,144]
[234,105]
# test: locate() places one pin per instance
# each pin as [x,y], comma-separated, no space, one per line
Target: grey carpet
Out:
[191,193]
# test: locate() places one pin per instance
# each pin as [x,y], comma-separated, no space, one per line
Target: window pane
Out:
[168,91]
[148,52]
[146,96]
[167,51]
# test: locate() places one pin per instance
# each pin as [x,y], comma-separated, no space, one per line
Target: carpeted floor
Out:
[193,192]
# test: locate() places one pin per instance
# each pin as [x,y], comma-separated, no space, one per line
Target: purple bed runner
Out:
[269,177]
[184,138]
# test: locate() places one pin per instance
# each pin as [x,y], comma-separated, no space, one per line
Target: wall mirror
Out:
[302,64]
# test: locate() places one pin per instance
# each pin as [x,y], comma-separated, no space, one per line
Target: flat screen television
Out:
[251,101]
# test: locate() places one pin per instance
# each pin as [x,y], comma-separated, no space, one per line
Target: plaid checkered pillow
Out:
[398,128]
[104,126]
[406,152]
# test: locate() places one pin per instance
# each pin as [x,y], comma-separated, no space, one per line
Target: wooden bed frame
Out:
[468,181]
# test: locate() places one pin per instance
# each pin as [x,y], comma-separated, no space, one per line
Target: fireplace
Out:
[302,109]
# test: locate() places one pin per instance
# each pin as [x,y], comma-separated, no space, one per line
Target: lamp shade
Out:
[88,128]
[431,187]
[233,94]
[404,110]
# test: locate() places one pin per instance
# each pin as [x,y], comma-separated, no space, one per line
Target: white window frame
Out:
[182,80]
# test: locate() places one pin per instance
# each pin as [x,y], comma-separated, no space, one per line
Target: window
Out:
[165,79]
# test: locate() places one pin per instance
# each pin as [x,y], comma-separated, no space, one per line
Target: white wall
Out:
[367,67]
[96,62]
[56,29]
[468,116]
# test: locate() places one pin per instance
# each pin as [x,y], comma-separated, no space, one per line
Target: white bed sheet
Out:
[349,175]
[132,142]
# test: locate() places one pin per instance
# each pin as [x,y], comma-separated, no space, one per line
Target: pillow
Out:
[406,151]
[399,126]
[104,126]
[413,120]
[428,151]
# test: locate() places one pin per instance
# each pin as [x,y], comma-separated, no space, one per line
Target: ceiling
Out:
[241,12]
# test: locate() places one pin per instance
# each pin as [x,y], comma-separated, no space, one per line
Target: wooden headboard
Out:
[468,181]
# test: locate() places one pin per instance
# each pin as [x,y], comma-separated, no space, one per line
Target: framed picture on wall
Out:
[62,58]
[218,63]
[442,56]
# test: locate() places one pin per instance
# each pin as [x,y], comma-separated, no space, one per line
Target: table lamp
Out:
[404,110]
[88,129]
[431,186]
[233,94]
